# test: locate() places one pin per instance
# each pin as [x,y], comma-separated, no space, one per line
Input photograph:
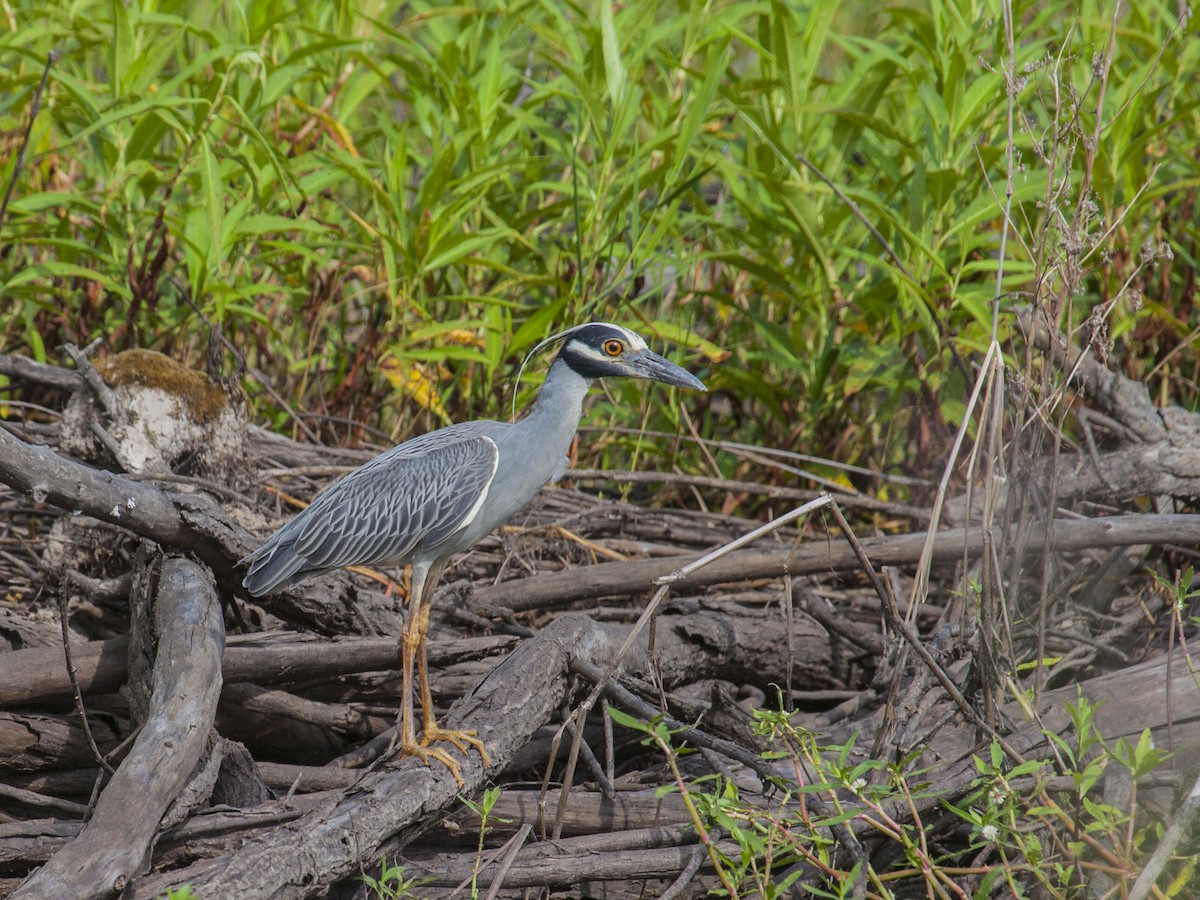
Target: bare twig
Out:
[514,846]
[906,631]
[679,885]
[664,583]
[34,108]
[186,683]
[73,673]
[1179,829]
[91,378]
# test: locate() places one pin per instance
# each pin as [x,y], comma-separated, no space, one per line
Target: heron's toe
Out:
[426,753]
[460,739]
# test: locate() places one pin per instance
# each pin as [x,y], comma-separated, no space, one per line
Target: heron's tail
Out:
[274,565]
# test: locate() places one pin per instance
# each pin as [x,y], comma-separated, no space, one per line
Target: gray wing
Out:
[411,498]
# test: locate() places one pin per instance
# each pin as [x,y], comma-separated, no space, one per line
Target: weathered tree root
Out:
[113,845]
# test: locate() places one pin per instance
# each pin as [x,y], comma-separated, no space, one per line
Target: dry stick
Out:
[925,563]
[704,451]
[591,858]
[989,437]
[693,735]
[1090,147]
[34,108]
[1010,175]
[1180,828]
[789,618]
[91,378]
[892,614]
[55,805]
[73,674]
[186,678]
[680,884]
[664,584]
[47,374]
[738,448]
[610,764]
[483,860]
[589,757]
[626,699]
[514,846]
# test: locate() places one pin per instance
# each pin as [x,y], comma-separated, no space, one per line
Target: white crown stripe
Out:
[582,349]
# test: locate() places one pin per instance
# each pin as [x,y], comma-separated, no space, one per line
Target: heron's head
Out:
[602,350]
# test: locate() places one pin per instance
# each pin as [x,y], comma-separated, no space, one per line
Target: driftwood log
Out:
[111,848]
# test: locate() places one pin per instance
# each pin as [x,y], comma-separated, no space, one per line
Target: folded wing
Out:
[399,505]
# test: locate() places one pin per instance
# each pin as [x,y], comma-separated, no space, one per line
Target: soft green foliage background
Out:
[340,184]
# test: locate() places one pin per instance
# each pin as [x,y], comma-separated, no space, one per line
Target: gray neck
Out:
[559,406]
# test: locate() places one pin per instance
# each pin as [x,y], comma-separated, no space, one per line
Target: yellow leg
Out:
[459,739]
[412,644]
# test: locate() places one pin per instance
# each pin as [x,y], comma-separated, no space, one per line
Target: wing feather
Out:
[412,498]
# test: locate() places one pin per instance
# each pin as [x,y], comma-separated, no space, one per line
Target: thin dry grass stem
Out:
[1178,830]
[1120,220]
[73,672]
[908,633]
[827,483]
[35,107]
[1074,248]
[700,442]
[664,585]
[767,453]
[1091,146]
[590,546]
[921,582]
[1010,72]
[512,848]
[708,839]
[995,643]
[788,617]
[506,853]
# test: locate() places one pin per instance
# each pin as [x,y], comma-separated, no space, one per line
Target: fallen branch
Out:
[623,856]
[215,831]
[625,578]
[31,742]
[39,675]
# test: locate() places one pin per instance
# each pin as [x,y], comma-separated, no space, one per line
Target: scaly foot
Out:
[459,739]
[426,753]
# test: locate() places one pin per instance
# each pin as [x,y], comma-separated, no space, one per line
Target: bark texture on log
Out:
[193,523]
[302,858]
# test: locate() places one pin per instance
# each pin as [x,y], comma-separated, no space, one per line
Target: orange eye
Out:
[613,347]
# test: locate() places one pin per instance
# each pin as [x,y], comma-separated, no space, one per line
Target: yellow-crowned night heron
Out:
[435,495]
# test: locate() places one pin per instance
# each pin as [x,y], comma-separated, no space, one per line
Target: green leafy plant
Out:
[392,883]
[483,809]
[658,734]
[1026,830]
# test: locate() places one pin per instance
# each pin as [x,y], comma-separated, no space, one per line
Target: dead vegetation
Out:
[906,671]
